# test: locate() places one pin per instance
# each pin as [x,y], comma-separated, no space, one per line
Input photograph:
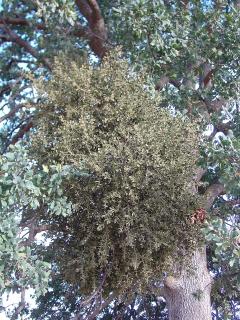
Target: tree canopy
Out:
[124,162]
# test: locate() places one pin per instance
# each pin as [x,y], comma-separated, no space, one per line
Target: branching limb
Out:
[5,89]
[21,305]
[102,306]
[14,37]
[212,193]
[22,131]
[96,310]
[12,112]
[199,172]
[96,31]
[21,22]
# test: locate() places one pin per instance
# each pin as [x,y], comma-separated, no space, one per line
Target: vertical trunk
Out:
[188,295]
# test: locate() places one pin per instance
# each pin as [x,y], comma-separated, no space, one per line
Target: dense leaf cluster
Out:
[25,190]
[133,193]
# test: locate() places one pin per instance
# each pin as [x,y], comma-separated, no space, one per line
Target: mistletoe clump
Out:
[132,190]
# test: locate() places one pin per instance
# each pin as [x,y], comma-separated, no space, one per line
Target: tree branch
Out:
[165,80]
[21,305]
[102,306]
[171,283]
[14,37]
[84,8]
[22,131]
[4,38]
[216,105]
[97,310]
[221,127]
[97,31]
[21,22]
[7,88]
[212,193]
[161,83]
[205,80]
[96,13]
[198,174]
[11,113]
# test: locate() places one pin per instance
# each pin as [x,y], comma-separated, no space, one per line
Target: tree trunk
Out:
[188,295]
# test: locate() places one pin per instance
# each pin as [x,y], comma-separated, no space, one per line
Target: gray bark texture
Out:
[188,295]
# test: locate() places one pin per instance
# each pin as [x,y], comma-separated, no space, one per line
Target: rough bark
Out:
[97,31]
[188,293]
[188,296]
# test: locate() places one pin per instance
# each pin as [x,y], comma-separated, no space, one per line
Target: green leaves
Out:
[170,40]
[223,156]
[224,237]
[133,167]
[64,10]
[26,189]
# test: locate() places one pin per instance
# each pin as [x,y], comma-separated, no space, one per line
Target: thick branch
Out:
[162,82]
[212,193]
[11,113]
[22,131]
[96,13]
[198,174]
[205,80]
[216,105]
[7,88]
[171,283]
[21,305]
[165,80]
[84,8]
[97,31]
[14,37]
[221,127]
[21,22]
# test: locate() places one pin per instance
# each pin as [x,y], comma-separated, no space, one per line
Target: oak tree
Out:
[93,153]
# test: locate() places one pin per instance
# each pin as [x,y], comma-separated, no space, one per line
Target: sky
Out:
[13,300]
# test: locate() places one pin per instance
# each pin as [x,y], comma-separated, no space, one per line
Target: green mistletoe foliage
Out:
[133,198]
